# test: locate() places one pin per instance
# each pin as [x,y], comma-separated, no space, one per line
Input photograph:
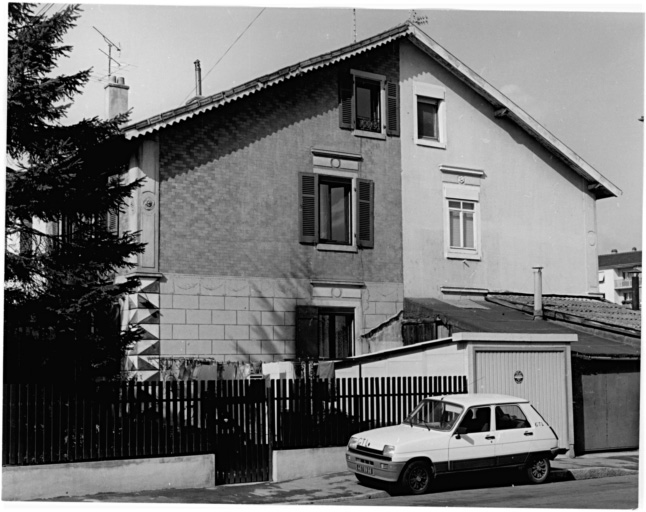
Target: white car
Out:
[452,433]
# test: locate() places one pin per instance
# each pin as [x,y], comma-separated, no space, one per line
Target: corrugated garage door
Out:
[538,376]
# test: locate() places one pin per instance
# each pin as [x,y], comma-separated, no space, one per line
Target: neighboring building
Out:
[616,272]
[288,218]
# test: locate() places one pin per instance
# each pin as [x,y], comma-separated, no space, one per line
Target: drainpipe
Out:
[538,293]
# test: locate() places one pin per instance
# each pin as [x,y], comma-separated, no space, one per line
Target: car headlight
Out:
[353,442]
[389,450]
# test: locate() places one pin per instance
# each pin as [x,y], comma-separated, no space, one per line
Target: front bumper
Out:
[372,467]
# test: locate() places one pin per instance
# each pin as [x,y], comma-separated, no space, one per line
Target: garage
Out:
[538,375]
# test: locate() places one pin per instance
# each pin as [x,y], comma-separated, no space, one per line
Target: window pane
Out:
[454,204]
[468,206]
[367,105]
[343,324]
[324,211]
[509,417]
[324,335]
[454,228]
[469,241]
[427,120]
[339,214]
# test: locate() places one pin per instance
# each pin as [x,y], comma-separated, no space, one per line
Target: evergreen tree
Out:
[61,298]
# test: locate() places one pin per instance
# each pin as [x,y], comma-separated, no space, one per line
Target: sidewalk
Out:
[344,486]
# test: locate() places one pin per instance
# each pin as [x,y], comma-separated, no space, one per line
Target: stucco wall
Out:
[229,202]
[534,210]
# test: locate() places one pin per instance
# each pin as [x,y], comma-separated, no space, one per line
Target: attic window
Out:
[368,104]
[430,115]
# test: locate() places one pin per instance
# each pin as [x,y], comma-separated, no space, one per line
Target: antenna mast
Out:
[109,54]
[354,24]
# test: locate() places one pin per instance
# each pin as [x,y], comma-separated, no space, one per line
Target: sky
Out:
[580,74]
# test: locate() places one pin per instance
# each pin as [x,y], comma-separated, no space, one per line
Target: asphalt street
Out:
[604,493]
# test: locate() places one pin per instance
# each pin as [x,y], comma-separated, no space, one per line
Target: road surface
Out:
[603,493]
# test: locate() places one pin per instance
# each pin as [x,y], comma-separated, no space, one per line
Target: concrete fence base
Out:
[308,462]
[20,483]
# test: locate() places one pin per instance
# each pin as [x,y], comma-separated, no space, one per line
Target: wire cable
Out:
[227,51]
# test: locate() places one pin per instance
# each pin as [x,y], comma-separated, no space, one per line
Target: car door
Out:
[515,435]
[474,449]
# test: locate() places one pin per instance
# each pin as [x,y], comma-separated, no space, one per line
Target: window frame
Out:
[432,94]
[349,182]
[469,194]
[381,79]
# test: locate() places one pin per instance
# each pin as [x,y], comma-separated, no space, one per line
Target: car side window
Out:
[477,419]
[509,417]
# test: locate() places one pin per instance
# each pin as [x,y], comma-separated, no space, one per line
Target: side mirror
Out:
[460,431]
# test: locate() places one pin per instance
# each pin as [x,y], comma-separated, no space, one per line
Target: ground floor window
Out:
[324,333]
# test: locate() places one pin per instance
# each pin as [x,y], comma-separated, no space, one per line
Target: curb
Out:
[366,496]
[561,475]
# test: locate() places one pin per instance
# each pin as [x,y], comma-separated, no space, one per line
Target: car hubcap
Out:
[539,469]
[419,479]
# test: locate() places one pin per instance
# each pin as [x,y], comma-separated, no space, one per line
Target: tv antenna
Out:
[417,19]
[109,54]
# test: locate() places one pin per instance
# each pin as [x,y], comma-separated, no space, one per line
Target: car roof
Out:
[471,399]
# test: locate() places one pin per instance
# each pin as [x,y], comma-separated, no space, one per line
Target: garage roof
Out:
[471,315]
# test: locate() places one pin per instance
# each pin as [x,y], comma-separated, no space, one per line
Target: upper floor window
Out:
[461,190]
[430,115]
[336,206]
[462,224]
[368,104]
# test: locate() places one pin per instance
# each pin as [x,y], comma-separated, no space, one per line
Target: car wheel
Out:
[538,470]
[417,477]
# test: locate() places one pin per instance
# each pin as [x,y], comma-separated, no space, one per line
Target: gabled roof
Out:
[620,259]
[502,105]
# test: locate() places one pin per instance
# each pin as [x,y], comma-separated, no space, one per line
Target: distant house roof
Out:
[620,260]
[471,315]
[502,105]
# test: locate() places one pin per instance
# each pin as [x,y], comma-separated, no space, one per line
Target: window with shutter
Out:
[368,104]
[324,333]
[365,213]
[308,206]
[392,108]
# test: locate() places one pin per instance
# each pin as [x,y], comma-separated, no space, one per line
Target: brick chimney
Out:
[116,97]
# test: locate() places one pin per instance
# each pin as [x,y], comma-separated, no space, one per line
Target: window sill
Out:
[336,248]
[455,255]
[430,143]
[369,135]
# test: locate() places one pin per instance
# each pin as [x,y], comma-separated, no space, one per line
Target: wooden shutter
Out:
[365,213]
[308,207]
[392,108]
[307,331]
[346,102]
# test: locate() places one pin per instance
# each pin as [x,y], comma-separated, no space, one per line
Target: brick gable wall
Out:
[229,183]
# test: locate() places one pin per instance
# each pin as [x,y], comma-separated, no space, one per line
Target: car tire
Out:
[417,477]
[537,470]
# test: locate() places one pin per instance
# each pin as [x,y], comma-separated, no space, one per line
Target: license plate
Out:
[364,469]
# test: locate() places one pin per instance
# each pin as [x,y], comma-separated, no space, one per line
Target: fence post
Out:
[269,399]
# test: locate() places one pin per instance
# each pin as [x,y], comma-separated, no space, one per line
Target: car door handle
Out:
[490,437]
[529,433]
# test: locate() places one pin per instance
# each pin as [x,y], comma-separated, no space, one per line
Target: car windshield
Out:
[434,414]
